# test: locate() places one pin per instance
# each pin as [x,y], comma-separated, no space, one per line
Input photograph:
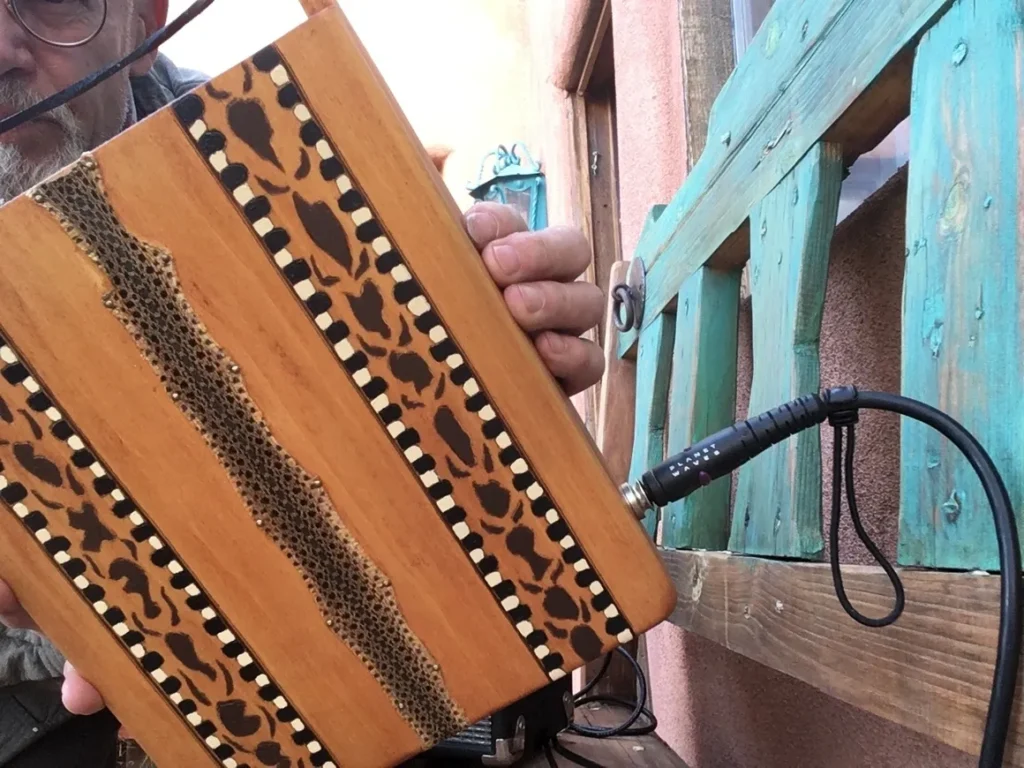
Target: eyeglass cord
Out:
[60,98]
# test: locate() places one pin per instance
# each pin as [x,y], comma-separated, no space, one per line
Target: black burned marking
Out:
[455,436]
[5,412]
[247,81]
[454,470]
[439,390]
[271,722]
[364,264]
[270,188]
[325,280]
[95,568]
[559,570]
[235,718]
[324,229]
[404,336]
[533,589]
[269,753]
[368,308]
[304,165]
[175,618]
[141,627]
[585,642]
[521,542]
[184,651]
[411,369]
[249,122]
[488,459]
[73,481]
[198,694]
[560,604]
[216,94]
[229,681]
[370,349]
[495,499]
[46,502]
[37,431]
[518,514]
[495,529]
[132,547]
[558,632]
[236,745]
[136,583]
[88,522]
[411,405]
[584,611]
[38,466]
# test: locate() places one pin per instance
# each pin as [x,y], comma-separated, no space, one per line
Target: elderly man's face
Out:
[30,70]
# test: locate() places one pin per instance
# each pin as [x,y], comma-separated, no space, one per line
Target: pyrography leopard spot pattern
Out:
[104,534]
[358,356]
[293,508]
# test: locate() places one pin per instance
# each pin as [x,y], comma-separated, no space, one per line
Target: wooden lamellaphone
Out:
[278,471]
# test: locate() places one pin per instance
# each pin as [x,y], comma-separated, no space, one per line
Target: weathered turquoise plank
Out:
[778,494]
[807,64]
[963,327]
[653,370]
[702,400]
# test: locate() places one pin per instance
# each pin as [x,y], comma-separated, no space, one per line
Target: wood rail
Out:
[931,671]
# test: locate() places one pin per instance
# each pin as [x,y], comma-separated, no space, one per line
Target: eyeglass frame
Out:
[10,4]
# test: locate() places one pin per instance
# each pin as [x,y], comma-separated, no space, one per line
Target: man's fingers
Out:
[577,363]
[555,253]
[570,307]
[78,696]
[11,612]
[487,222]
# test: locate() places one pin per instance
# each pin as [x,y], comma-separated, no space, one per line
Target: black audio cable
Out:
[728,449]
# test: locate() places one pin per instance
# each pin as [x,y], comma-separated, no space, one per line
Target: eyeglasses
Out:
[62,23]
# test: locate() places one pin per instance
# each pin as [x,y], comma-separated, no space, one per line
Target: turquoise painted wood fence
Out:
[821,83]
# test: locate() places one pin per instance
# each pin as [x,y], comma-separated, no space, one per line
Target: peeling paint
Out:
[952,507]
[959,53]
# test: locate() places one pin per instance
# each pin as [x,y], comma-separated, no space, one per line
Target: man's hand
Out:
[537,273]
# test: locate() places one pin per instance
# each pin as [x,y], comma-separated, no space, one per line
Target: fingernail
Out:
[532,298]
[507,259]
[482,227]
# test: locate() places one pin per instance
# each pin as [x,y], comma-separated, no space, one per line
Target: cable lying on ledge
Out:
[728,449]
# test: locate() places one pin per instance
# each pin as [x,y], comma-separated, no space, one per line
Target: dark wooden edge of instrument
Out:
[931,671]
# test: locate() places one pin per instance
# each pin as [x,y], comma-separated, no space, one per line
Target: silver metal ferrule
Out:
[636,499]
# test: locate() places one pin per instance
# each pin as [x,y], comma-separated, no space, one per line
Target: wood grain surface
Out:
[778,492]
[300,488]
[930,671]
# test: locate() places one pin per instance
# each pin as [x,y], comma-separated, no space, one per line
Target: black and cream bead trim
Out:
[16,373]
[297,272]
[408,293]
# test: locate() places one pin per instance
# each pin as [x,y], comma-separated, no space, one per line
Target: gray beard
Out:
[18,173]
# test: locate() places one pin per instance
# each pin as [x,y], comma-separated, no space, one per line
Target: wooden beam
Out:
[931,671]
[702,400]
[705,29]
[963,340]
[778,493]
[810,61]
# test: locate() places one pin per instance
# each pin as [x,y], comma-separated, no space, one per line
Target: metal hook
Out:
[628,298]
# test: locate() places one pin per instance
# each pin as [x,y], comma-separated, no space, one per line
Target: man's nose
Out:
[15,45]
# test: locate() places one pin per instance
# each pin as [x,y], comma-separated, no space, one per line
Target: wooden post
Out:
[963,339]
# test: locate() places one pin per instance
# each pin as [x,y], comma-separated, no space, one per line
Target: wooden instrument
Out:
[279,472]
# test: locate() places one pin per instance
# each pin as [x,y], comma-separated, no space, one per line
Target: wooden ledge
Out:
[931,671]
